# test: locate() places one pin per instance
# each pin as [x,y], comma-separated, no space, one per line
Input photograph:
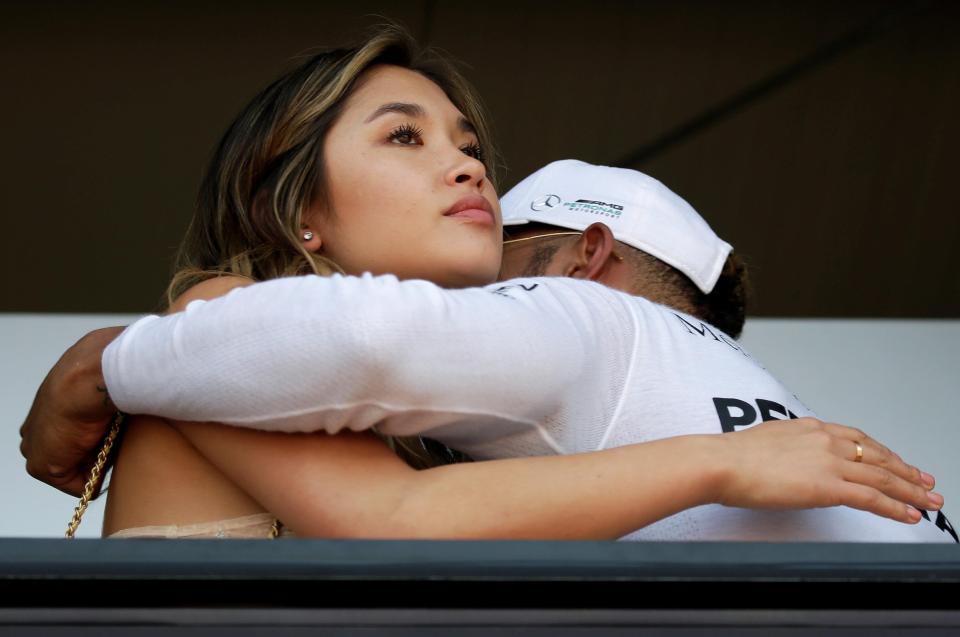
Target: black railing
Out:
[391,587]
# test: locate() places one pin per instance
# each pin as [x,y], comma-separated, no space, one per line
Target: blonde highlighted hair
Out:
[269,167]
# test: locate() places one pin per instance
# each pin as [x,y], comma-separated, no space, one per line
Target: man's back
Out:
[690,378]
[666,373]
[529,367]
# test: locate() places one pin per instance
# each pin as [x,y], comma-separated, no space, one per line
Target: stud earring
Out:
[307,236]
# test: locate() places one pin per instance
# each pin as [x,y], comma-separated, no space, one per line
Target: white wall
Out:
[899,380]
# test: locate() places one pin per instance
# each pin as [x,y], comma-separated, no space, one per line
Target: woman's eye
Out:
[406,135]
[473,150]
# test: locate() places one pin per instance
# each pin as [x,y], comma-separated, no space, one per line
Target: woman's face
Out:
[407,193]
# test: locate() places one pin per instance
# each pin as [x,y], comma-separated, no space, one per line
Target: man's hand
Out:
[70,415]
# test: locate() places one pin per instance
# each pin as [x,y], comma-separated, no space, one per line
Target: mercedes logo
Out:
[550,201]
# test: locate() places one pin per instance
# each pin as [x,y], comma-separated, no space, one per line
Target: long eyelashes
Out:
[410,135]
[473,150]
[406,134]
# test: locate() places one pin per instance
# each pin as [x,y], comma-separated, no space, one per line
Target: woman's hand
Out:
[806,463]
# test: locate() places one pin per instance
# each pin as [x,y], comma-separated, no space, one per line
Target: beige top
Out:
[256,526]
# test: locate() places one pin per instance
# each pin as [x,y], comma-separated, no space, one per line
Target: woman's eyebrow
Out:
[415,110]
[464,124]
[410,110]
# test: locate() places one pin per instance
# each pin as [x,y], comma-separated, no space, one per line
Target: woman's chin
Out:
[467,275]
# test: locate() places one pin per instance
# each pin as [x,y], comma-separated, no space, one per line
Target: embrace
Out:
[338,360]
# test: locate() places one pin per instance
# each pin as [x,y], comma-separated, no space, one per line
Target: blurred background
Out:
[818,137]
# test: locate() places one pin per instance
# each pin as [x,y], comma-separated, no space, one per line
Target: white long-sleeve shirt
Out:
[527,367]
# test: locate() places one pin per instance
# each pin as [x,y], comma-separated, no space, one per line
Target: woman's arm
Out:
[352,485]
[844,484]
[812,468]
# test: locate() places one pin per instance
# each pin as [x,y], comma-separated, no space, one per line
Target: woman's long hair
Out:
[269,169]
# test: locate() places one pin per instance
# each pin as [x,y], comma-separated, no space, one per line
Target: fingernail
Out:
[927,479]
[913,514]
[936,498]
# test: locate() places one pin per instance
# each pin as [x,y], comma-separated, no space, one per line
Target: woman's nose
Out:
[466,170]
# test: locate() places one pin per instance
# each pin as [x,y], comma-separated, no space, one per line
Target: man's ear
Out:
[593,253]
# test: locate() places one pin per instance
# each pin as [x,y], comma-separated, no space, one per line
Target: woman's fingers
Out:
[807,463]
[859,496]
[874,453]
[890,485]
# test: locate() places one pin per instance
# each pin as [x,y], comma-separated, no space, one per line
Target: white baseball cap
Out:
[639,210]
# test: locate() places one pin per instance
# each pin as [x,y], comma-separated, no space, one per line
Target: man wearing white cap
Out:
[544,375]
[673,258]
[686,375]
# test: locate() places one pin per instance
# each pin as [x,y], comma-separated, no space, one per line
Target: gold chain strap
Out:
[95,475]
[275,529]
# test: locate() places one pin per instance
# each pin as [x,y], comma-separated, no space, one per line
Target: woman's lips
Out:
[474,214]
[473,208]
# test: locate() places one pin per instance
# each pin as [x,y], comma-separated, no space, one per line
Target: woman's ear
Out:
[311,239]
[593,253]
[310,230]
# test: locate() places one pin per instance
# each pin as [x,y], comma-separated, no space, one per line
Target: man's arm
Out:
[69,417]
[335,353]
[837,481]
[71,412]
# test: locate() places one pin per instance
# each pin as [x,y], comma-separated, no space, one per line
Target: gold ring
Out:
[859,457]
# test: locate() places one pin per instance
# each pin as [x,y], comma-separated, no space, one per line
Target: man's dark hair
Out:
[724,307]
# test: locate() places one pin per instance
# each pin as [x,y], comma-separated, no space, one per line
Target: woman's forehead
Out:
[387,84]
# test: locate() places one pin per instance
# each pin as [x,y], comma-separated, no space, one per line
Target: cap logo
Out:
[595,207]
[544,203]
